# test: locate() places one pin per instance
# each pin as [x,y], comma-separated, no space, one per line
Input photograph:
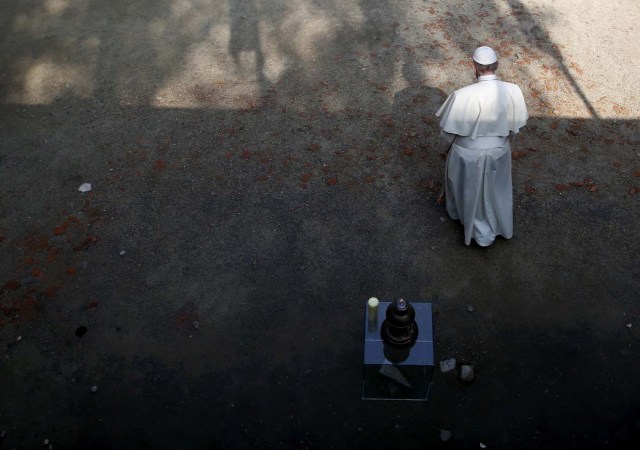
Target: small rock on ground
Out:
[467,373]
[447,365]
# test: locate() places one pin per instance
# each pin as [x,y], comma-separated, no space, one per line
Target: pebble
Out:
[482,445]
[122,252]
[195,324]
[19,338]
[445,435]
[467,373]
[629,325]
[447,365]
[470,308]
[46,442]
[94,388]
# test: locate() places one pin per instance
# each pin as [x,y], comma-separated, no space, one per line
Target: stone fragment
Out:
[467,373]
[447,365]
[470,308]
[445,435]
[94,388]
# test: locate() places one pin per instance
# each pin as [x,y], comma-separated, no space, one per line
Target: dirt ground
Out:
[258,170]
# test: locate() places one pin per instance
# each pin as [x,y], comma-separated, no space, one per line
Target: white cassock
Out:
[479,119]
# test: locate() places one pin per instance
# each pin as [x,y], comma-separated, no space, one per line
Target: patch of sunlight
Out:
[275,67]
[276,61]
[594,49]
[24,22]
[229,94]
[180,8]
[45,81]
[41,18]
[57,7]
[310,30]
[157,28]
[215,76]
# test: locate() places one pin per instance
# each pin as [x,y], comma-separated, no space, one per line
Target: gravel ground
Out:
[258,170]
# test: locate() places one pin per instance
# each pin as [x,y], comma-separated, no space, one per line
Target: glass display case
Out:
[397,372]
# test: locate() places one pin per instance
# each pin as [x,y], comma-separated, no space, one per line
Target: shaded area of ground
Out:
[253,231]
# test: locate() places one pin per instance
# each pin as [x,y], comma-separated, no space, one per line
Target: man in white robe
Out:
[477,122]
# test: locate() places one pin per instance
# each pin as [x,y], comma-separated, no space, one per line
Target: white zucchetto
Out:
[485,55]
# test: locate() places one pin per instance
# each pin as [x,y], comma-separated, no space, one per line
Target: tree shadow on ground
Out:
[243,210]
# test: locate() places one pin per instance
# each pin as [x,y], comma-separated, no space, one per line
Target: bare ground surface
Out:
[259,169]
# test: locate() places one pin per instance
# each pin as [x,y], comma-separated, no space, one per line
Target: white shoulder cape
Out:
[487,108]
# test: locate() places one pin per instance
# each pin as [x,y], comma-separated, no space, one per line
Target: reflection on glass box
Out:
[398,351]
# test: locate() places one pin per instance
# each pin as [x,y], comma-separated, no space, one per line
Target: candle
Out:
[372,306]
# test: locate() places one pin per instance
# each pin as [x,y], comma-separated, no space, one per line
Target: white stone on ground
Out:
[447,365]
[466,373]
